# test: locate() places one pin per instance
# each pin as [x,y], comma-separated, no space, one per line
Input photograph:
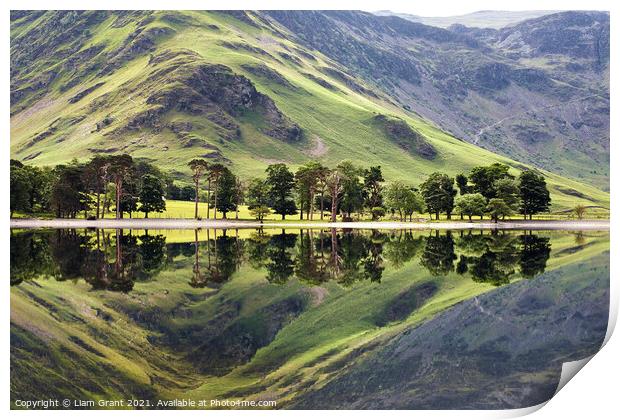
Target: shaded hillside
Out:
[250,88]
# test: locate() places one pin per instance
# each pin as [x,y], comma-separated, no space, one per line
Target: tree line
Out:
[127,185]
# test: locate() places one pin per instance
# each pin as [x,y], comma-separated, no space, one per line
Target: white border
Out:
[592,395]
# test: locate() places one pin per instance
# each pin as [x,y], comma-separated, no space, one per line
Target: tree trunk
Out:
[98,204]
[449,216]
[215,203]
[311,209]
[283,216]
[209,199]
[322,205]
[334,205]
[196,202]
[119,185]
[470,217]
[146,214]
[437,215]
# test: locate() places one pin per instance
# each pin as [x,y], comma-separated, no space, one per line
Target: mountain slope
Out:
[537,92]
[246,89]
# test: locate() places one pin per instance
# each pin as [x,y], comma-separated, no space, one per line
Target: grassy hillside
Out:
[149,84]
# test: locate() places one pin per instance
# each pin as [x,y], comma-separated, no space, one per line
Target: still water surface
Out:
[307,318]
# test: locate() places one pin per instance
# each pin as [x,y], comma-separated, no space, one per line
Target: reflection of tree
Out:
[198,280]
[30,257]
[402,248]
[224,254]
[535,252]
[152,249]
[438,255]
[310,264]
[493,258]
[257,245]
[280,264]
[373,262]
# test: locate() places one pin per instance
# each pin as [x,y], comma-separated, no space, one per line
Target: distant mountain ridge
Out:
[495,19]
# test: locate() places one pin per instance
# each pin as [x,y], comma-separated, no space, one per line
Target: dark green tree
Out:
[462,184]
[534,194]
[69,194]
[225,193]
[151,195]
[438,193]
[483,178]
[20,190]
[257,198]
[373,189]
[281,182]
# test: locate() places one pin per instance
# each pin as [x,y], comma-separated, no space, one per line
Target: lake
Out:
[314,319]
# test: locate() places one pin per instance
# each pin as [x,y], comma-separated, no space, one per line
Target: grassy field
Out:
[338,124]
[176,209]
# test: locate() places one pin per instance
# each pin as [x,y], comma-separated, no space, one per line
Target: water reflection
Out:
[116,259]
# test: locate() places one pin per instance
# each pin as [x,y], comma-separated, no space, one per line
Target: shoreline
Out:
[171,224]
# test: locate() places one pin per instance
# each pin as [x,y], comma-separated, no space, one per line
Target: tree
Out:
[308,180]
[413,203]
[152,195]
[215,173]
[352,193]
[340,181]
[187,193]
[580,211]
[507,190]
[498,208]
[225,196]
[19,190]
[258,198]
[199,167]
[120,169]
[404,199]
[68,192]
[462,184]
[534,194]
[281,182]
[373,189]
[97,176]
[483,178]
[471,204]
[239,196]
[438,192]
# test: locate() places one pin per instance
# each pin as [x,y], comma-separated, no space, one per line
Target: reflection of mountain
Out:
[501,350]
[295,307]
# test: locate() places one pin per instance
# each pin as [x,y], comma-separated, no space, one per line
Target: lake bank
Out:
[240,224]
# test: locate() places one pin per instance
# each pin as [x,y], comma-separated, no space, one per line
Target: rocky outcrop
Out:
[399,132]
[182,81]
